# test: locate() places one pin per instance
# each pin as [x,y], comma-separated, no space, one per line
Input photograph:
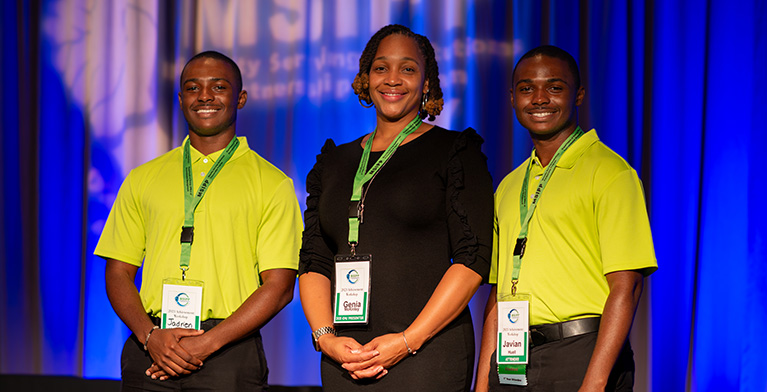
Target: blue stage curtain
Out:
[675,87]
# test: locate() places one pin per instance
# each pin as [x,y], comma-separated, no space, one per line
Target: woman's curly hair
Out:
[361,84]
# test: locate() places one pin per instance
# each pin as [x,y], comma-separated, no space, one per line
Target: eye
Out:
[379,68]
[191,88]
[556,89]
[219,88]
[525,89]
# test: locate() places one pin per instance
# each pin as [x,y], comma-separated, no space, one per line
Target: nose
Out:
[393,78]
[205,95]
[540,97]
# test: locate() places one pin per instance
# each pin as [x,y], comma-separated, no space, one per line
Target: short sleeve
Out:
[124,235]
[469,193]
[315,255]
[279,231]
[624,227]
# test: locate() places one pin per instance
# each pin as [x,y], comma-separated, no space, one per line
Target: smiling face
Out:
[208,97]
[397,79]
[545,97]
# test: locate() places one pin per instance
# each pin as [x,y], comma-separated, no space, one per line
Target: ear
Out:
[241,99]
[425,87]
[579,96]
[180,104]
[511,96]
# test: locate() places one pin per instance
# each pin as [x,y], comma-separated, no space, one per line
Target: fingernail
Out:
[355,351]
[154,377]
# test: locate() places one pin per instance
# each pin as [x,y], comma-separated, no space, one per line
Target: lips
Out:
[206,111]
[542,114]
[392,96]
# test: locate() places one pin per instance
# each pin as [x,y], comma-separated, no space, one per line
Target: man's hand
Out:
[170,355]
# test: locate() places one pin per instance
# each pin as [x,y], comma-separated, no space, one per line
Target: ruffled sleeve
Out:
[315,256]
[470,203]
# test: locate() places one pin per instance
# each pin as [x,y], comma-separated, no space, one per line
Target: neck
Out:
[210,144]
[547,145]
[387,130]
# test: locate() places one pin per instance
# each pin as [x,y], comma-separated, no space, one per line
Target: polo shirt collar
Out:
[574,152]
[196,155]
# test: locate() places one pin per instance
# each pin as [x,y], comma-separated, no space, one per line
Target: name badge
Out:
[181,303]
[513,346]
[352,289]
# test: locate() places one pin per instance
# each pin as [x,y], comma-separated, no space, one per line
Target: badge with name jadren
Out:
[181,303]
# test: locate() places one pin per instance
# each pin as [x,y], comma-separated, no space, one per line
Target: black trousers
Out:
[561,366]
[239,366]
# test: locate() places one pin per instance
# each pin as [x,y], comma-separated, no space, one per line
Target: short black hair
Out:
[361,84]
[212,54]
[557,53]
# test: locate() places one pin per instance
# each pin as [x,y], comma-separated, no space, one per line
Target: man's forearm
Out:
[617,317]
[124,297]
[257,310]
[487,345]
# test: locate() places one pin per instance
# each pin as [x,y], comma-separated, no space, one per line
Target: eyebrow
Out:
[550,80]
[403,58]
[210,79]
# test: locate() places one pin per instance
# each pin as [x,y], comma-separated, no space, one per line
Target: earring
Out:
[363,105]
[424,101]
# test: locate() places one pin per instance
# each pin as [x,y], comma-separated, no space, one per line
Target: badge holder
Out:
[352,289]
[513,348]
[181,303]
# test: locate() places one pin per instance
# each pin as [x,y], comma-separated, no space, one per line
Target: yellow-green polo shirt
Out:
[591,220]
[247,222]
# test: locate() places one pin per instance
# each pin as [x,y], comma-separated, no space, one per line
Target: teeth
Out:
[206,111]
[542,114]
[392,94]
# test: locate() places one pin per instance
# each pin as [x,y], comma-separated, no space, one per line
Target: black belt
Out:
[547,333]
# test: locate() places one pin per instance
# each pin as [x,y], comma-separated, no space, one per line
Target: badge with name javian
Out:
[181,303]
[352,289]
[513,330]
[513,345]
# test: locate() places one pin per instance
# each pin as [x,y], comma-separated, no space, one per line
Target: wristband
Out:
[146,341]
[409,351]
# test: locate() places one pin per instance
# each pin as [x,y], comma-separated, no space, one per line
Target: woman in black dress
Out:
[425,217]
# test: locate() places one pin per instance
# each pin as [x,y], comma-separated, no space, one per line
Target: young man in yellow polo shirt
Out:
[571,249]
[217,229]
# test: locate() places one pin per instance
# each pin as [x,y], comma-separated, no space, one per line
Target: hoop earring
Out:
[363,105]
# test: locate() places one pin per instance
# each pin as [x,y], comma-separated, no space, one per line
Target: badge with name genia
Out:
[352,291]
[513,346]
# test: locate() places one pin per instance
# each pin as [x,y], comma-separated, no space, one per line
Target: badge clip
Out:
[187,234]
[519,248]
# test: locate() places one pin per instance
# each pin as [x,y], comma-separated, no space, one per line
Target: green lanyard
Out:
[363,176]
[526,213]
[191,200]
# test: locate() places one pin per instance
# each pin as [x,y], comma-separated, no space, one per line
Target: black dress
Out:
[430,204]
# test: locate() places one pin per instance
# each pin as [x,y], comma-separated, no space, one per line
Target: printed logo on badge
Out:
[353,276]
[514,316]
[182,299]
